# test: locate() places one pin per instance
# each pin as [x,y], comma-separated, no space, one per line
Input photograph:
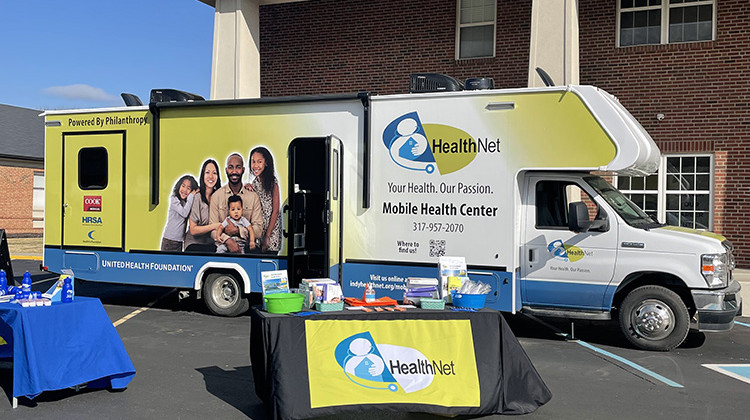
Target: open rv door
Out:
[315,216]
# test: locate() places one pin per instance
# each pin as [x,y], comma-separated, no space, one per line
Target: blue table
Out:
[61,346]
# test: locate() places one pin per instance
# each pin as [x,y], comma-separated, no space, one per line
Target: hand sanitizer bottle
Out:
[369,293]
[67,290]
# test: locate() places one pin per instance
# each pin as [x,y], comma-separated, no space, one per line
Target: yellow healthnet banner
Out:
[391,361]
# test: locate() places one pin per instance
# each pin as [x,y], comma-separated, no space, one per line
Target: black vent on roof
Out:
[173,95]
[131,99]
[432,82]
[476,83]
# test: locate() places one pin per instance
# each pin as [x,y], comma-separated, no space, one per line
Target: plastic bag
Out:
[470,287]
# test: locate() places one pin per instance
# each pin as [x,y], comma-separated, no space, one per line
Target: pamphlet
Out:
[54,293]
[452,274]
[274,282]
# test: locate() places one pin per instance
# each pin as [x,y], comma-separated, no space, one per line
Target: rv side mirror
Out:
[578,219]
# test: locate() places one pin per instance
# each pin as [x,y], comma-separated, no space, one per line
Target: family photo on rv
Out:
[205,216]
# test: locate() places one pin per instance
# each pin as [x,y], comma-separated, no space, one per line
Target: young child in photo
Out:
[235,217]
[180,203]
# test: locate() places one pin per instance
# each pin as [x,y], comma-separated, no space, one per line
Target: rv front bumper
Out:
[716,309]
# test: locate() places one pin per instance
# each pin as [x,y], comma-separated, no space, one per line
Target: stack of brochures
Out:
[420,287]
[320,290]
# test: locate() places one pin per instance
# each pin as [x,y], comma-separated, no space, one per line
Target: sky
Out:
[58,54]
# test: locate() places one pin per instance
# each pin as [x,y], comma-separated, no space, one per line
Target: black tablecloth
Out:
[504,381]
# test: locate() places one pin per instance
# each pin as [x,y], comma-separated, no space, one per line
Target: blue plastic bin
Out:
[468,301]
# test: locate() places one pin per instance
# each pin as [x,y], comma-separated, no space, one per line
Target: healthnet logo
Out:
[387,366]
[426,147]
[564,252]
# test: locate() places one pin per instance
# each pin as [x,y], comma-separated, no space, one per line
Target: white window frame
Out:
[665,7]
[459,26]
[38,200]
[662,189]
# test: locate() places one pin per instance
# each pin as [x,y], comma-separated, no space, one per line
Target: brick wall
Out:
[330,46]
[701,88]
[17,200]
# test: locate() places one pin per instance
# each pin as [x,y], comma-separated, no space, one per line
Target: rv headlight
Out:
[715,269]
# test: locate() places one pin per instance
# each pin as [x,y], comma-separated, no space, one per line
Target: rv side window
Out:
[552,199]
[92,168]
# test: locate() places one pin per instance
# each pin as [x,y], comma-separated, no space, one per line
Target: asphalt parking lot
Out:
[192,365]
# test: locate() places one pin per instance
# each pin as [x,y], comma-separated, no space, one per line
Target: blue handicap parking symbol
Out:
[740,372]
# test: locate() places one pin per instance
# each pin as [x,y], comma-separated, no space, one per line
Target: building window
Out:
[475,34]
[665,21]
[679,194]
[38,203]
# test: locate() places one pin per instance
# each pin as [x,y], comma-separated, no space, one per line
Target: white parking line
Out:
[140,310]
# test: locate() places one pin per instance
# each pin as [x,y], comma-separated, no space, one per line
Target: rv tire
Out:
[654,318]
[222,293]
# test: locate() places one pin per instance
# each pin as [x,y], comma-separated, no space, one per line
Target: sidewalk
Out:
[743,276]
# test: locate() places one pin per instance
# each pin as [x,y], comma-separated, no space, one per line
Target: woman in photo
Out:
[198,237]
[180,203]
[266,186]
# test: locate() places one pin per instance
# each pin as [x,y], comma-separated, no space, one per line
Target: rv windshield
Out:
[631,213]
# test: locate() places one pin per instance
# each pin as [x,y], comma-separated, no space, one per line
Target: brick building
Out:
[21,171]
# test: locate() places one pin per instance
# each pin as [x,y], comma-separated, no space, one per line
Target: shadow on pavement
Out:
[235,387]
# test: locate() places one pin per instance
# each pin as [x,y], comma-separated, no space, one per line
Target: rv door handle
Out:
[531,255]
[284,232]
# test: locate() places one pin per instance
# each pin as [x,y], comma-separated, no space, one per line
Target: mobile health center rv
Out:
[376,188]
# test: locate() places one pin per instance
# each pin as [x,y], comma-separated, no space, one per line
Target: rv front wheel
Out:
[654,318]
[223,295]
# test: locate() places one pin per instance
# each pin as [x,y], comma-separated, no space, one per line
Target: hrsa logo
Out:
[91,220]
[387,366]
[426,147]
[564,252]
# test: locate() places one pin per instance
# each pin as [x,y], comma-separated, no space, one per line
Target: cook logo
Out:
[387,366]
[563,252]
[426,147]
[92,203]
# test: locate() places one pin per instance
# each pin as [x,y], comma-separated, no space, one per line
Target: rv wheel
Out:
[223,295]
[654,318]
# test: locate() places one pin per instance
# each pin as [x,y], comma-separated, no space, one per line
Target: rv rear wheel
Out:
[654,318]
[223,295]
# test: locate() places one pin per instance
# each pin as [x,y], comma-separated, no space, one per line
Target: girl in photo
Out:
[180,203]
[266,186]
[198,238]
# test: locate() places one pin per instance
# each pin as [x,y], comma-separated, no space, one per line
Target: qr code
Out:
[437,247]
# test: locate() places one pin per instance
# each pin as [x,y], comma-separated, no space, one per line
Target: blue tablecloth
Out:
[63,345]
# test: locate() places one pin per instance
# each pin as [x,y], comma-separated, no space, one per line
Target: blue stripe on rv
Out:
[151,269]
[575,295]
